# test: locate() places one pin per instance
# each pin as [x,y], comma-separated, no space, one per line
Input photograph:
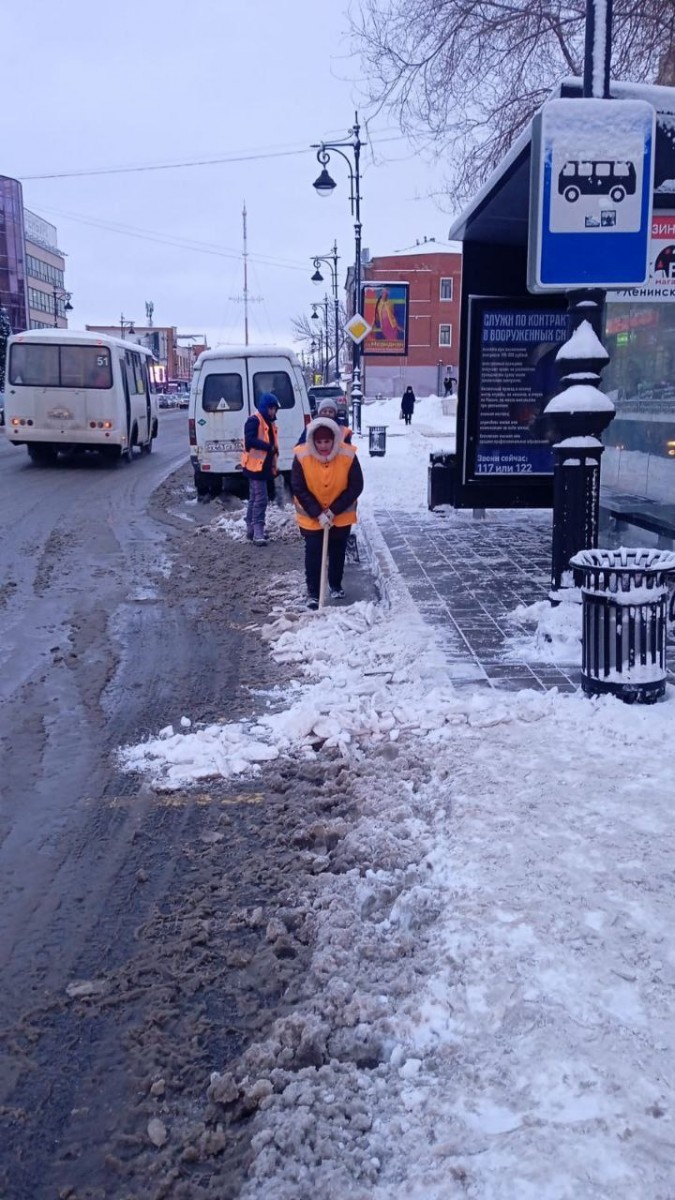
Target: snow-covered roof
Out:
[434,247]
[247,352]
[80,337]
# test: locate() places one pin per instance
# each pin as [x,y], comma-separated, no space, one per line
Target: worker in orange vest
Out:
[259,463]
[326,481]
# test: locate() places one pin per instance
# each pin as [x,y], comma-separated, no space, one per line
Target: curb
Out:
[392,586]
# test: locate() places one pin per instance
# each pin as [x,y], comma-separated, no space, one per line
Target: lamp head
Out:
[324,185]
[317,277]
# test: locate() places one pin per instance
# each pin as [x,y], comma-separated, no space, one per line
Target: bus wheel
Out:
[42,454]
[572,194]
[617,194]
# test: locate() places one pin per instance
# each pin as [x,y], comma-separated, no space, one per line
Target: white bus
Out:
[66,390]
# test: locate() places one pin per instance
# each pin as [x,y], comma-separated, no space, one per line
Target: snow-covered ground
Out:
[489,1008]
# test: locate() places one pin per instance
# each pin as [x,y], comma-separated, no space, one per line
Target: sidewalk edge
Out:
[393,588]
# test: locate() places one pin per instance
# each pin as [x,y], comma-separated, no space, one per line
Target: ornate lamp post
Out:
[61,294]
[325,186]
[332,261]
[126,326]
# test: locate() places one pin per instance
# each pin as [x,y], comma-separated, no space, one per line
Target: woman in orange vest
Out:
[259,463]
[326,481]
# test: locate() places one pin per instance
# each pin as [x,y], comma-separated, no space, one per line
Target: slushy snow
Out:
[488,1010]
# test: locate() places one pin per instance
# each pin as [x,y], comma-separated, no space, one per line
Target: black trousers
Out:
[337,548]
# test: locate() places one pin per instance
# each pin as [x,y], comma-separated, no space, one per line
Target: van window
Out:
[603,169]
[223,393]
[274,381]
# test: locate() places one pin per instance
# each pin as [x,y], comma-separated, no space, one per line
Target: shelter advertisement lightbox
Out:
[385,308]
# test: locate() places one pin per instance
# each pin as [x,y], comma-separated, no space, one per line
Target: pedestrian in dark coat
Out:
[408,405]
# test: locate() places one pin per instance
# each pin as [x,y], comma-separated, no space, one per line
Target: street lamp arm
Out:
[324,158]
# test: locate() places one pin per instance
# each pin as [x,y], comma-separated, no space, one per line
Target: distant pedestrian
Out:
[408,405]
[447,386]
[259,463]
[326,481]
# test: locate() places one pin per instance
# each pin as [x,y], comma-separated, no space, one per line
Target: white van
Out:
[70,390]
[225,387]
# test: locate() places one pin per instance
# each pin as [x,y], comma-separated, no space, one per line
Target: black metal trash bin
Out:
[377,441]
[625,599]
[441,479]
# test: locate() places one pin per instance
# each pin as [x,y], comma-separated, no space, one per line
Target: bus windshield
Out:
[35,365]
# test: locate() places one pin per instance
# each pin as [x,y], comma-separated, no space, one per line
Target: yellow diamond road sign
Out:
[358,328]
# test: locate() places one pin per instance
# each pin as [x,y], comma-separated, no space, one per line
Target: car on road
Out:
[329,391]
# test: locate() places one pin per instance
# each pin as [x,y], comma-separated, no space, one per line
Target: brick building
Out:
[433,272]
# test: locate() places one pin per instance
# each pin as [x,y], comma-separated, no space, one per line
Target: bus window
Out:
[85,367]
[603,170]
[585,168]
[34,365]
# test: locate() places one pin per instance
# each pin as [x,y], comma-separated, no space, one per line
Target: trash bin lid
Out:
[641,560]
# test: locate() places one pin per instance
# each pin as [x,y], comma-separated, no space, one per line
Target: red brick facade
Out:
[434,276]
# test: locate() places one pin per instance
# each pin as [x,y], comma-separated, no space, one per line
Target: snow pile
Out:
[369,676]
[488,1007]
[556,637]
[280,524]
[399,480]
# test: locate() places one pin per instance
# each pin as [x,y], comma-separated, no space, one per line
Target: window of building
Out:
[446,289]
[445,335]
[277,382]
[223,393]
[42,301]
[38,269]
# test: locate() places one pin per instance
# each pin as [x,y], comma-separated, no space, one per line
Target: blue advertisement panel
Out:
[515,344]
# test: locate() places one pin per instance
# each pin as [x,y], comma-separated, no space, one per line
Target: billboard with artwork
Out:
[385,308]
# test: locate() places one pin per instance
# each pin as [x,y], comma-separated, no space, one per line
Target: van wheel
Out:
[42,454]
[617,194]
[572,194]
[146,448]
[202,482]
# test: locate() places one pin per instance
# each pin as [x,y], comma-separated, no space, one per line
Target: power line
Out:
[253,156]
[171,240]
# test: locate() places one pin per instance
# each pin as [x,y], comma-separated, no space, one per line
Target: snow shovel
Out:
[324,567]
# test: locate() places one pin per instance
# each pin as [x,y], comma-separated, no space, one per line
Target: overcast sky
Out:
[159,81]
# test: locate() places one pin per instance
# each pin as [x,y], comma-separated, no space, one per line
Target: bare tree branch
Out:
[466,76]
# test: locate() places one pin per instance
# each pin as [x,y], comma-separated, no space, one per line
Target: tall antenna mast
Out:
[246,299]
[243,215]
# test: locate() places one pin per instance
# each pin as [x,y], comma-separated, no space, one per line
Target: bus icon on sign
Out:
[601,178]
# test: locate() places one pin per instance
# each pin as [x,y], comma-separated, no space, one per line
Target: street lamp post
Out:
[126,326]
[324,186]
[315,317]
[61,294]
[332,261]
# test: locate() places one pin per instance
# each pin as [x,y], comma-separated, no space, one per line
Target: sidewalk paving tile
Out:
[467,576]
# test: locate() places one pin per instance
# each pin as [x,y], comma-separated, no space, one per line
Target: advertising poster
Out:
[661,283]
[515,377]
[384,306]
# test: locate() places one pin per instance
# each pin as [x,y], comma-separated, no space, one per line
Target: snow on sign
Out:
[590,194]
[661,283]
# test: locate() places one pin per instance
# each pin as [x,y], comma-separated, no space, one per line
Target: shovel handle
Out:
[324,567]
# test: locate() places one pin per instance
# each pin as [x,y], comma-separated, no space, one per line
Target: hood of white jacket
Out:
[324,423]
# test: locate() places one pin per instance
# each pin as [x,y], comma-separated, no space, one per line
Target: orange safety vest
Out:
[254,460]
[326,481]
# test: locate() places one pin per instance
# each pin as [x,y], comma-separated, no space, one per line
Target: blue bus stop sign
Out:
[591,190]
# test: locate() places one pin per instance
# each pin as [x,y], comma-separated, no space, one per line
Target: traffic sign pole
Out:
[575,427]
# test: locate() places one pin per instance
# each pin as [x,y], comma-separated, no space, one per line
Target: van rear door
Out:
[221,407]
[272,374]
